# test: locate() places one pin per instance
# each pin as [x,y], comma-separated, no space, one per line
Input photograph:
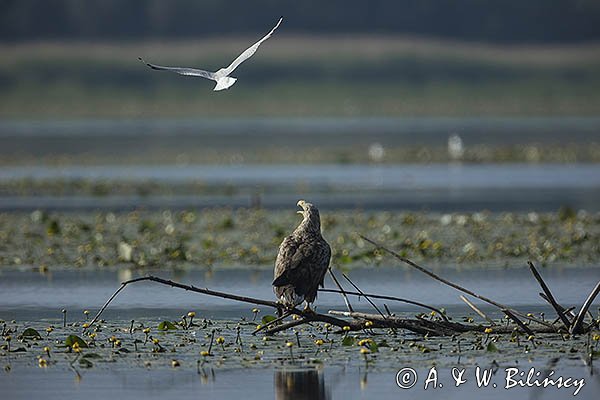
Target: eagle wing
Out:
[302,264]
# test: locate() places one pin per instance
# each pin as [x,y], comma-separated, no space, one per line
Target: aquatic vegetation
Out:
[202,240]
[187,348]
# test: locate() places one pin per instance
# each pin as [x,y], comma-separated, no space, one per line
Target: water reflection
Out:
[300,384]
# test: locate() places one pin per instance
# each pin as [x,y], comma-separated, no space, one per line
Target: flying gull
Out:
[224,81]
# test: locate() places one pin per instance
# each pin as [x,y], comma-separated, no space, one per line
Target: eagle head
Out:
[311,219]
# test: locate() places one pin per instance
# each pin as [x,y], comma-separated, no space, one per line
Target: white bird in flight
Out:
[224,81]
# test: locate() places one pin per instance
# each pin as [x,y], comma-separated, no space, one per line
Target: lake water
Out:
[31,296]
[435,187]
[34,295]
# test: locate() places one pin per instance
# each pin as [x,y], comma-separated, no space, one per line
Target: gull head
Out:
[224,83]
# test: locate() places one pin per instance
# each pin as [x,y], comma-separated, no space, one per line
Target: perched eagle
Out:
[302,261]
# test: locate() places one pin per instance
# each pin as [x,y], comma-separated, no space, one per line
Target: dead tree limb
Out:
[521,325]
[477,310]
[578,324]
[363,293]
[564,310]
[191,289]
[393,298]
[431,328]
[548,293]
[513,313]
[307,316]
[341,290]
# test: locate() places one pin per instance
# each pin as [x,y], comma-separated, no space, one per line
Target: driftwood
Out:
[441,325]
[429,327]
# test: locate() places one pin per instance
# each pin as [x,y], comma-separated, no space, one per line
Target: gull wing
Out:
[249,52]
[182,71]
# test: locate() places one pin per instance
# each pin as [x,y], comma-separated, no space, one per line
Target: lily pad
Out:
[348,341]
[166,326]
[85,363]
[31,333]
[491,347]
[72,339]
[92,355]
[373,347]
[268,319]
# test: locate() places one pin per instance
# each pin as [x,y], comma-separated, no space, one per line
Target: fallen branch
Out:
[512,314]
[363,294]
[551,300]
[523,327]
[393,298]
[432,328]
[578,324]
[342,291]
[191,289]
[562,309]
[308,316]
[477,310]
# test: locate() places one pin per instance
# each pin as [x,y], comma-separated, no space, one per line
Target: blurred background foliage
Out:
[69,58]
[474,20]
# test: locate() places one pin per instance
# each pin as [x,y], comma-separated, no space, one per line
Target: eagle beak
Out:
[301,204]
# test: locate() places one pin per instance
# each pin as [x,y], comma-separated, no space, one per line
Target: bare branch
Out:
[191,289]
[363,294]
[337,283]
[578,324]
[383,297]
[477,310]
[546,290]
[513,313]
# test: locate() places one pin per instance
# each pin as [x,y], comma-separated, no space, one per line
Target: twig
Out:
[578,324]
[517,321]
[546,290]
[315,317]
[513,314]
[477,310]
[363,294]
[275,321]
[190,288]
[562,309]
[383,297]
[426,326]
[337,283]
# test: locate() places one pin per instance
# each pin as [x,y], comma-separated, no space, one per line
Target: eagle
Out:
[302,261]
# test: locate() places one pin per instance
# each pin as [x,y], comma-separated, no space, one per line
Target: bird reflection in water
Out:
[297,384]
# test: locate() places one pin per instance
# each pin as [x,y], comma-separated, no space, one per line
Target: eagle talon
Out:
[308,310]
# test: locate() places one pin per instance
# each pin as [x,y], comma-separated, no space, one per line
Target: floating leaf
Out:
[19,350]
[268,319]
[31,333]
[85,363]
[491,347]
[166,326]
[373,347]
[348,341]
[91,355]
[383,343]
[72,339]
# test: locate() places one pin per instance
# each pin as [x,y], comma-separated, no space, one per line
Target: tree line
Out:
[473,20]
